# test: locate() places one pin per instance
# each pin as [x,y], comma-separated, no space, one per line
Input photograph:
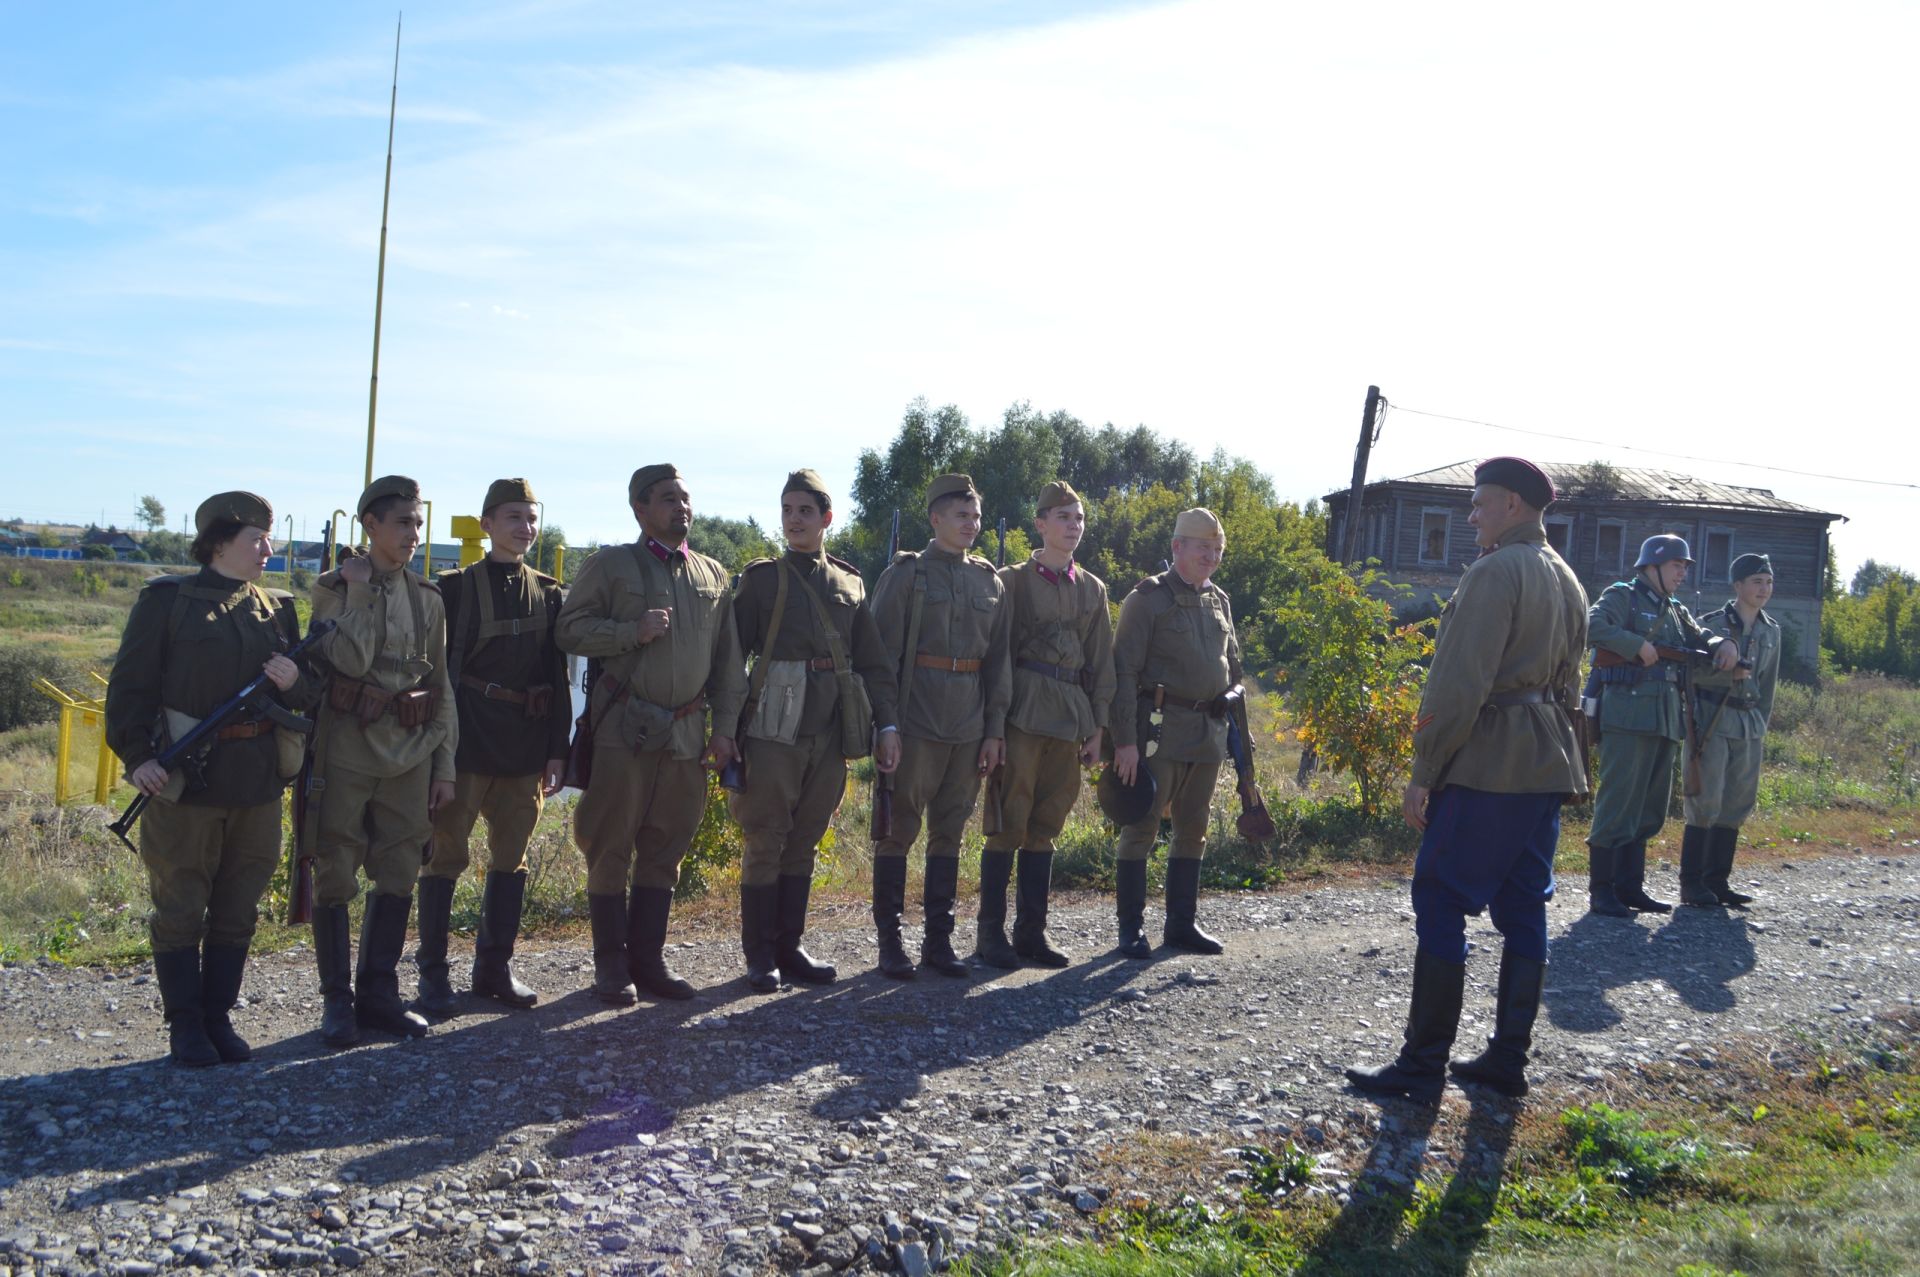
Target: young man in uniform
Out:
[382,761]
[1494,755]
[1732,710]
[1062,641]
[1175,660]
[1641,722]
[657,617]
[941,618]
[805,619]
[510,683]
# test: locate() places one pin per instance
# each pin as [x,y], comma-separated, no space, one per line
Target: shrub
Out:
[20,702]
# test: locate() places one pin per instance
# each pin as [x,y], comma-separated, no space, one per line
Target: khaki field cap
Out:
[501,491]
[1059,492]
[1200,523]
[245,508]
[804,481]
[393,485]
[646,476]
[948,485]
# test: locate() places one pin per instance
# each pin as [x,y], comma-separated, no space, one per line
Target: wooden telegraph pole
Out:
[380,279]
[1369,435]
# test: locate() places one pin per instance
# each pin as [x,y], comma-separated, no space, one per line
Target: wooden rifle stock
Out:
[882,823]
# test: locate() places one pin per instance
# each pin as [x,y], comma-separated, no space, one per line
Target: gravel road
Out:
[868,1125]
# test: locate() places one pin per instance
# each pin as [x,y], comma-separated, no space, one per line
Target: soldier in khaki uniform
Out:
[209,843]
[801,727]
[382,763]
[940,616]
[1175,657]
[1062,640]
[1494,756]
[657,619]
[1732,713]
[510,685]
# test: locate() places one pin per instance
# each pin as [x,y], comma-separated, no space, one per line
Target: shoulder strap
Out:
[822,621]
[913,638]
[419,609]
[757,684]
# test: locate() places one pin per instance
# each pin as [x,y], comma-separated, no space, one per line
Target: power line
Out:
[1657,452]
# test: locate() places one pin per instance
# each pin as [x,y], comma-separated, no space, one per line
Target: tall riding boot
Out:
[797,966]
[1034,884]
[611,984]
[1630,877]
[1420,1071]
[759,908]
[1183,903]
[1721,842]
[1130,908]
[177,972]
[1693,867]
[1600,897]
[889,898]
[936,901]
[647,911]
[376,980]
[500,907]
[333,954]
[990,931]
[221,968]
[1503,1065]
[437,1000]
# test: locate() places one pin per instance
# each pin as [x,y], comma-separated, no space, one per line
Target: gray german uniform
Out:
[1732,716]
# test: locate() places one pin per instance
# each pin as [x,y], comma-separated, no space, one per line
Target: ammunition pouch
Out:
[368,701]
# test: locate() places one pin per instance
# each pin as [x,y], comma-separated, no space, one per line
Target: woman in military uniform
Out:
[211,836]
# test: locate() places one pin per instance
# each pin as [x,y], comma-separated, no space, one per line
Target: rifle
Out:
[185,750]
[1255,824]
[882,825]
[1000,559]
[1684,657]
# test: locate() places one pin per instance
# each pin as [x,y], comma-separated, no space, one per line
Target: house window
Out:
[1436,528]
[1610,547]
[1560,537]
[1718,559]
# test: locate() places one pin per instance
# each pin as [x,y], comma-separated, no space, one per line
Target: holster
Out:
[539,700]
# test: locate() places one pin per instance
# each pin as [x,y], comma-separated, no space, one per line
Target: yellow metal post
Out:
[468,532]
[91,711]
[427,569]
[333,537]
[560,563]
[60,758]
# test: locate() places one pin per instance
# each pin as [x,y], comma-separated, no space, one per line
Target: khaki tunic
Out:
[1064,623]
[960,618]
[1174,635]
[1731,754]
[1516,623]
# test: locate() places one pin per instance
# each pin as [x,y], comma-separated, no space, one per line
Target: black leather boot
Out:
[1130,908]
[1183,904]
[647,911]
[500,907]
[1600,897]
[797,966]
[1503,1065]
[376,978]
[1034,884]
[1630,878]
[936,901]
[1693,868]
[1721,844]
[990,931]
[611,983]
[759,907]
[221,968]
[1433,1016]
[889,898]
[333,954]
[436,999]
[177,972]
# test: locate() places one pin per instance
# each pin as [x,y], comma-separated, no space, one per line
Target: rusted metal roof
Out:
[1630,483]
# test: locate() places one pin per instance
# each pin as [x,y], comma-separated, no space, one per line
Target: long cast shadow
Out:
[1698,953]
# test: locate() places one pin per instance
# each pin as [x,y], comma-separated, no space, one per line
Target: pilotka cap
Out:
[1057,493]
[1199,522]
[646,476]
[393,485]
[501,491]
[948,485]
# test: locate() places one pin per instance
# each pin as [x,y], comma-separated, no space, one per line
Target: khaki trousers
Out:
[375,823]
[1038,786]
[511,805]
[1184,790]
[1729,781]
[207,868]
[938,784]
[638,817]
[791,794]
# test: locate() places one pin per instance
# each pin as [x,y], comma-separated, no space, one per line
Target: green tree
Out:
[547,547]
[1871,575]
[152,513]
[734,542]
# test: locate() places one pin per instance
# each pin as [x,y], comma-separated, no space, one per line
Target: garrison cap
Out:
[1665,548]
[248,509]
[1057,493]
[804,481]
[1750,565]
[1519,476]
[1199,522]
[393,485]
[501,491]
[948,485]
[1126,804]
[646,476]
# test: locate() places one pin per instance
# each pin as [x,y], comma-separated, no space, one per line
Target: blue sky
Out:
[743,236]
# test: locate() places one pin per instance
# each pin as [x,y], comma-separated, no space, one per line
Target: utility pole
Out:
[1369,435]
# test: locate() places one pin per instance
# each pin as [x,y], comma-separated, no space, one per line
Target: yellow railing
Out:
[86,712]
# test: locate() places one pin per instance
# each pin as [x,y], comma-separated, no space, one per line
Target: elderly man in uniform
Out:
[942,618]
[382,760]
[510,685]
[1641,720]
[1494,757]
[1062,641]
[1176,659]
[657,617]
[1732,711]
[822,692]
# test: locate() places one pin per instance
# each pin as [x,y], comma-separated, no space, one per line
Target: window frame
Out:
[1446,535]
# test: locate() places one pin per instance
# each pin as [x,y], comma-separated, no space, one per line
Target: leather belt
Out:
[693,706]
[952,664]
[1727,698]
[1211,706]
[493,691]
[821,664]
[1530,696]
[248,730]
[1077,677]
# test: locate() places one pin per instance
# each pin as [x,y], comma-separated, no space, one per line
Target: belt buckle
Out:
[953,665]
[489,690]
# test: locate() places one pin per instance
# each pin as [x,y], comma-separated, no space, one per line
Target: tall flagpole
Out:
[380,280]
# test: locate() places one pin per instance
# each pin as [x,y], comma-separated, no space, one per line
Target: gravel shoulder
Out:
[866,1125]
